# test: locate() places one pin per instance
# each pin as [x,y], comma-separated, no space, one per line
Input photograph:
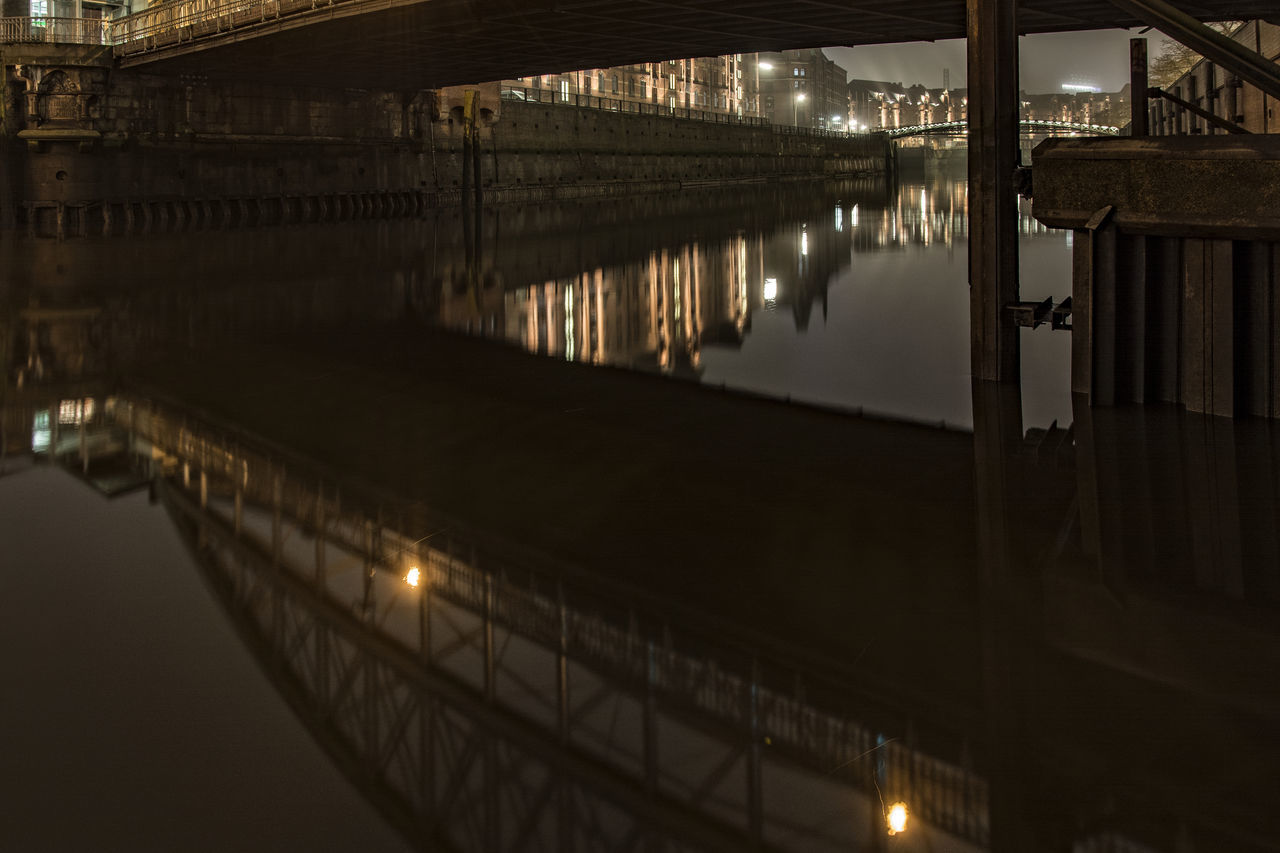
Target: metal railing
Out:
[535,95]
[174,23]
[43,29]
[1025,124]
[695,670]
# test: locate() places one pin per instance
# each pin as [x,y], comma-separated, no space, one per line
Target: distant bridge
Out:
[958,128]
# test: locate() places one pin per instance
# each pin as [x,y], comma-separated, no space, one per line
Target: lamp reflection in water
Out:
[897,818]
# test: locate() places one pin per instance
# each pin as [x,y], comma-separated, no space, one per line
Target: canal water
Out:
[650,523]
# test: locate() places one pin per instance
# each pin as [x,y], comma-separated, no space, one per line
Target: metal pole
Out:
[650,729]
[277,538]
[320,532]
[993,208]
[1138,87]
[562,669]
[755,784]
[489,674]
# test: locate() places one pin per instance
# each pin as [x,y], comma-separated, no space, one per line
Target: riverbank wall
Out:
[90,150]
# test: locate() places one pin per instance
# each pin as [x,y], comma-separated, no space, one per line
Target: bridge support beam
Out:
[993,205]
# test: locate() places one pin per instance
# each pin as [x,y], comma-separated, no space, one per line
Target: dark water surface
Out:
[301,548]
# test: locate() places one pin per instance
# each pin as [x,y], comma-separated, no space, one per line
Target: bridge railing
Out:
[535,95]
[44,29]
[173,23]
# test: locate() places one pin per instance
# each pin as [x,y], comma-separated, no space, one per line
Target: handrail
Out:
[186,20]
[1215,120]
[1030,123]
[49,29]
[537,95]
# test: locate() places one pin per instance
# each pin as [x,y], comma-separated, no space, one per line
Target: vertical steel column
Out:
[564,794]
[424,605]
[320,529]
[1138,87]
[492,810]
[993,207]
[650,732]
[277,537]
[368,570]
[203,539]
[468,105]
[755,781]
[488,633]
[1002,582]
[562,669]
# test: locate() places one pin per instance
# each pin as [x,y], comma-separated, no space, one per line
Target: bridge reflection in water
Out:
[494,710]
[1081,659]
[487,704]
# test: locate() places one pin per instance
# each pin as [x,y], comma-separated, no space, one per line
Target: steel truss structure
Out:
[477,713]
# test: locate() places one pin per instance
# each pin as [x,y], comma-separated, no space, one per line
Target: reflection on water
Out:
[817,283]
[847,296]
[524,605]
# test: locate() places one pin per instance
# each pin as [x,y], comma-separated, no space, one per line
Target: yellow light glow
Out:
[897,818]
[414,577]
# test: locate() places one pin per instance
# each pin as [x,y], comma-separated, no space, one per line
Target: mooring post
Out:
[468,104]
[1138,87]
[993,204]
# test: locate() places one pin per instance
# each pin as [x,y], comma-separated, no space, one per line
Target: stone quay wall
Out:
[90,149]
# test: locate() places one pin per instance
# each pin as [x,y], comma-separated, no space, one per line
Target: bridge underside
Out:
[410,44]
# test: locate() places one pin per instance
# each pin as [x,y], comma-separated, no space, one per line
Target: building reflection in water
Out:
[659,312]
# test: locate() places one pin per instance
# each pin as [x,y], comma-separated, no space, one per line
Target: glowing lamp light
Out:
[770,288]
[897,818]
[766,66]
[800,97]
[414,577]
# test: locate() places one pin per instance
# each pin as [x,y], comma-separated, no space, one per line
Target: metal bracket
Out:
[1231,127]
[1207,42]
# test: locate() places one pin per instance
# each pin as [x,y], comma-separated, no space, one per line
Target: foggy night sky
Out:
[1099,58]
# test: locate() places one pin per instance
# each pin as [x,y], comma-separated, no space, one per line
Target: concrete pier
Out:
[1176,268]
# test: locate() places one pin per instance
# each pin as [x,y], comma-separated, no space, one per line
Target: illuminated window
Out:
[40,432]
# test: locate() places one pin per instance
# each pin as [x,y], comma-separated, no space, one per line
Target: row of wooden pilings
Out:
[107,218]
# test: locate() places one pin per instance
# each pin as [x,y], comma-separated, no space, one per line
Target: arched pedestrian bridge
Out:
[960,128]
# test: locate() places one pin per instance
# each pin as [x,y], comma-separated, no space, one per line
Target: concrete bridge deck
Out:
[425,43]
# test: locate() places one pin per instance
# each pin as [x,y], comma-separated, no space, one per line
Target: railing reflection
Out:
[616,704]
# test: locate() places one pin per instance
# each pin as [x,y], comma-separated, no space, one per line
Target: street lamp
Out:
[795,104]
